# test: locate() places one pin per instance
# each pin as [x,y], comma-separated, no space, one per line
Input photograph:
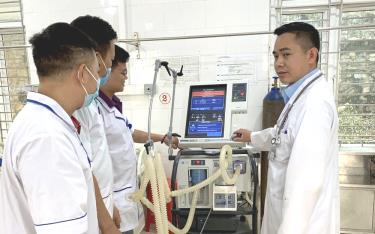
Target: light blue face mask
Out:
[90,97]
[104,78]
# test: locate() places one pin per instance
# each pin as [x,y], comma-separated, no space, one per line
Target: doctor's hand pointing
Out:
[241,135]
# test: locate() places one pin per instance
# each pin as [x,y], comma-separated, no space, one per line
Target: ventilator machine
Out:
[214,180]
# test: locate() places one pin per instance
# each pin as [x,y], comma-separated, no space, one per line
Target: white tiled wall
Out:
[165,18]
[38,14]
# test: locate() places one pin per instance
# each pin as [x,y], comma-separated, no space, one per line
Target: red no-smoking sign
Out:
[165,98]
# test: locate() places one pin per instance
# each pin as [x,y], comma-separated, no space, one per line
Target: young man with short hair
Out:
[46,184]
[92,129]
[303,187]
[121,136]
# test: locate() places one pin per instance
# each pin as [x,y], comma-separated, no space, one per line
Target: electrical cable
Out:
[204,225]
[154,173]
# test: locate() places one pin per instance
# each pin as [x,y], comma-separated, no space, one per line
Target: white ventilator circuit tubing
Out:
[155,196]
[154,172]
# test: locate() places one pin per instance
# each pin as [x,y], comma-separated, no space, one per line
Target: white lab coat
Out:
[303,187]
[94,140]
[46,183]
[119,131]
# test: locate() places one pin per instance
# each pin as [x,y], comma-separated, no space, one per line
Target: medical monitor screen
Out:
[206,111]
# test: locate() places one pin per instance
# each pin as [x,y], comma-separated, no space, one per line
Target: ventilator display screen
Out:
[206,111]
[197,176]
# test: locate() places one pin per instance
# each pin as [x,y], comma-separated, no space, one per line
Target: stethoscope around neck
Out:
[275,141]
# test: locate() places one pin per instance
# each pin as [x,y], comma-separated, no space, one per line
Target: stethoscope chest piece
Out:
[275,141]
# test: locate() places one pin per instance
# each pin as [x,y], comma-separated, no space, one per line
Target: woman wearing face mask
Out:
[92,129]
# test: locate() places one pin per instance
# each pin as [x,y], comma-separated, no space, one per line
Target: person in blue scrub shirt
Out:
[303,186]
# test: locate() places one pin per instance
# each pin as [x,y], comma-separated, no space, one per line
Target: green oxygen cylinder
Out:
[273,105]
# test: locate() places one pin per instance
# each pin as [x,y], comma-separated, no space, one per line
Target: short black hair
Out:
[121,56]
[98,29]
[61,47]
[306,34]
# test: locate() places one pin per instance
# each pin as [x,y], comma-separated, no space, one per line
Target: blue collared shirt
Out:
[288,92]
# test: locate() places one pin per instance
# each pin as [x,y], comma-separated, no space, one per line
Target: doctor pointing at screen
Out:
[303,188]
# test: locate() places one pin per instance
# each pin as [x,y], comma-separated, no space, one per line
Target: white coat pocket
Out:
[283,150]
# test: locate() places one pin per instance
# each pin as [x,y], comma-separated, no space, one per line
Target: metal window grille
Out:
[356,87]
[318,20]
[13,63]
[353,60]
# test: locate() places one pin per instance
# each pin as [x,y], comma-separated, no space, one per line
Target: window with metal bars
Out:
[318,20]
[356,60]
[13,63]
[356,85]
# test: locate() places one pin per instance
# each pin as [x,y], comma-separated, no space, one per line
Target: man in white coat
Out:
[92,128]
[47,184]
[303,188]
[121,135]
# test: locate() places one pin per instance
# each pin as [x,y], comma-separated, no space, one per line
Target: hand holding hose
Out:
[175,140]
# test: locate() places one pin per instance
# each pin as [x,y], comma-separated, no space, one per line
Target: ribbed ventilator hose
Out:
[154,172]
[160,172]
[189,220]
[198,186]
[136,196]
[155,196]
[225,160]
[162,190]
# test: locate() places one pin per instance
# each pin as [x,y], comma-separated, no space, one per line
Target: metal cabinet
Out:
[357,209]
[357,193]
